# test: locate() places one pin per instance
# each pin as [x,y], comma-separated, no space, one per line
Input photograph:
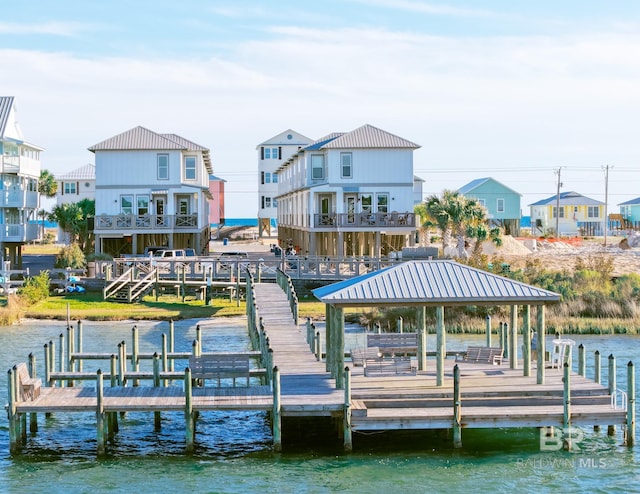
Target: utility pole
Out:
[557,172]
[606,202]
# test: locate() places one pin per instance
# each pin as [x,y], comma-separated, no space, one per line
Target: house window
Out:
[271,153]
[267,178]
[274,202]
[183,205]
[317,166]
[143,204]
[126,204]
[593,211]
[382,203]
[365,200]
[189,167]
[482,203]
[274,178]
[163,167]
[346,170]
[70,188]
[500,205]
[554,213]
[267,202]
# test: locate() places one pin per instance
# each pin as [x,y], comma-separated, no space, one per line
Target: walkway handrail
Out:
[142,285]
[285,282]
[117,284]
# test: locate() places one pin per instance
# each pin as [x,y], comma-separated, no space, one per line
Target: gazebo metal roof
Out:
[432,283]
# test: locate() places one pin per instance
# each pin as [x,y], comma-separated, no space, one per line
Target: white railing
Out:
[18,233]
[146,221]
[366,220]
[619,400]
[18,198]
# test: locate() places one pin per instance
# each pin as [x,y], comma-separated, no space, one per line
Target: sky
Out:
[522,92]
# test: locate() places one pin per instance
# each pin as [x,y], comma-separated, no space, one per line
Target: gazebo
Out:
[439,284]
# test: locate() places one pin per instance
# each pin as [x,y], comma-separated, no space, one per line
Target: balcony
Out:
[18,198]
[371,221]
[19,233]
[146,222]
[19,164]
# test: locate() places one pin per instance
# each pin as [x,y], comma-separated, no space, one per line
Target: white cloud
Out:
[54,28]
[431,8]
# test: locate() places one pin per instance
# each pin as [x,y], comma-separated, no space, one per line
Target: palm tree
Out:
[47,186]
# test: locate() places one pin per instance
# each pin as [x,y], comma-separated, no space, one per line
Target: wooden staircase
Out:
[130,288]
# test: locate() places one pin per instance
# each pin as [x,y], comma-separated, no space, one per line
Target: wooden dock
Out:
[295,382]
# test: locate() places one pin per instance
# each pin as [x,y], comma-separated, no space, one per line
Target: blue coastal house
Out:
[630,213]
[502,202]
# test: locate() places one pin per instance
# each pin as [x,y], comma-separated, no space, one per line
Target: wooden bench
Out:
[220,366]
[385,366]
[359,354]
[28,387]
[394,343]
[481,355]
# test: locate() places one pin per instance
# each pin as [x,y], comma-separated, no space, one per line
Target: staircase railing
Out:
[142,286]
[118,284]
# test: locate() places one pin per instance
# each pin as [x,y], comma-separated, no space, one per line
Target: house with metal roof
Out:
[76,185]
[272,153]
[19,174]
[501,202]
[630,213]
[348,194]
[438,284]
[216,203]
[572,213]
[151,190]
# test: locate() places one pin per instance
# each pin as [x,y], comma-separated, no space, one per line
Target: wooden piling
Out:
[487,321]
[441,343]
[582,362]
[47,365]
[513,338]
[276,417]
[79,345]
[526,340]
[52,359]
[457,423]
[566,394]
[33,417]
[135,362]
[421,317]
[61,357]
[400,324]
[348,440]
[100,422]
[506,343]
[541,345]
[596,367]
[113,372]
[318,345]
[188,412]
[11,412]
[631,405]
[611,429]
[165,363]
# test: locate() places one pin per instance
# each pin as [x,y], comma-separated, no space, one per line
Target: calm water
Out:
[234,449]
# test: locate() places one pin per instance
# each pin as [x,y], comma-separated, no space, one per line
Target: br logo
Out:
[555,438]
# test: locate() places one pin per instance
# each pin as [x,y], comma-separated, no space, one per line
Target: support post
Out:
[33,417]
[172,345]
[79,345]
[318,347]
[541,345]
[582,362]
[11,413]
[457,423]
[164,359]
[135,362]
[441,350]
[631,404]
[348,441]
[513,338]
[611,429]
[100,422]
[61,358]
[400,324]
[566,421]
[327,337]
[505,341]
[276,418]
[596,367]
[112,369]
[188,412]
[487,321]
[526,340]
[338,345]
[421,317]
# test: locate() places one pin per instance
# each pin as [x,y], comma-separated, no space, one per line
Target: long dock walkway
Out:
[306,387]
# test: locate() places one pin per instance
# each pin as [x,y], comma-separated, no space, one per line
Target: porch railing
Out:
[146,221]
[364,220]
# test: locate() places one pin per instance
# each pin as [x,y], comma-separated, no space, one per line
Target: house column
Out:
[312,244]
[378,250]
[134,243]
[98,242]
[441,344]
[340,245]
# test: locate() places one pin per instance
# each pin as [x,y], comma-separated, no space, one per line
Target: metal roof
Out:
[86,172]
[432,283]
[320,143]
[570,198]
[369,136]
[465,189]
[6,102]
[631,202]
[141,138]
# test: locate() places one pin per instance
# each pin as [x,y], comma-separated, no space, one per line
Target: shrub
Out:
[35,288]
[71,256]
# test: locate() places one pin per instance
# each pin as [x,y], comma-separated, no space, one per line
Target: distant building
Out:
[272,153]
[19,173]
[216,203]
[629,214]
[75,186]
[348,194]
[501,202]
[575,214]
[151,190]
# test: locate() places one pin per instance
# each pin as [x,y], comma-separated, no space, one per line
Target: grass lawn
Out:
[41,249]
[90,307]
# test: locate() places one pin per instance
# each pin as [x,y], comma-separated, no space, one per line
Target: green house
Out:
[502,202]
[630,213]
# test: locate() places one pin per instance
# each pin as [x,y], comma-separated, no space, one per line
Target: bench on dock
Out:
[385,366]
[220,366]
[481,355]
[394,343]
[29,387]
[359,354]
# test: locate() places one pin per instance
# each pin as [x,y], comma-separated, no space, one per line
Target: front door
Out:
[351,203]
[159,204]
[326,210]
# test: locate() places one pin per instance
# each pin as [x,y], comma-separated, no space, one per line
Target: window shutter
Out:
[262,177]
[62,188]
[279,152]
[77,188]
[262,152]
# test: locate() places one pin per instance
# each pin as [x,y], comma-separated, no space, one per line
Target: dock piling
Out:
[611,429]
[457,423]
[100,422]
[188,411]
[631,405]
[566,419]
[276,417]
[348,440]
